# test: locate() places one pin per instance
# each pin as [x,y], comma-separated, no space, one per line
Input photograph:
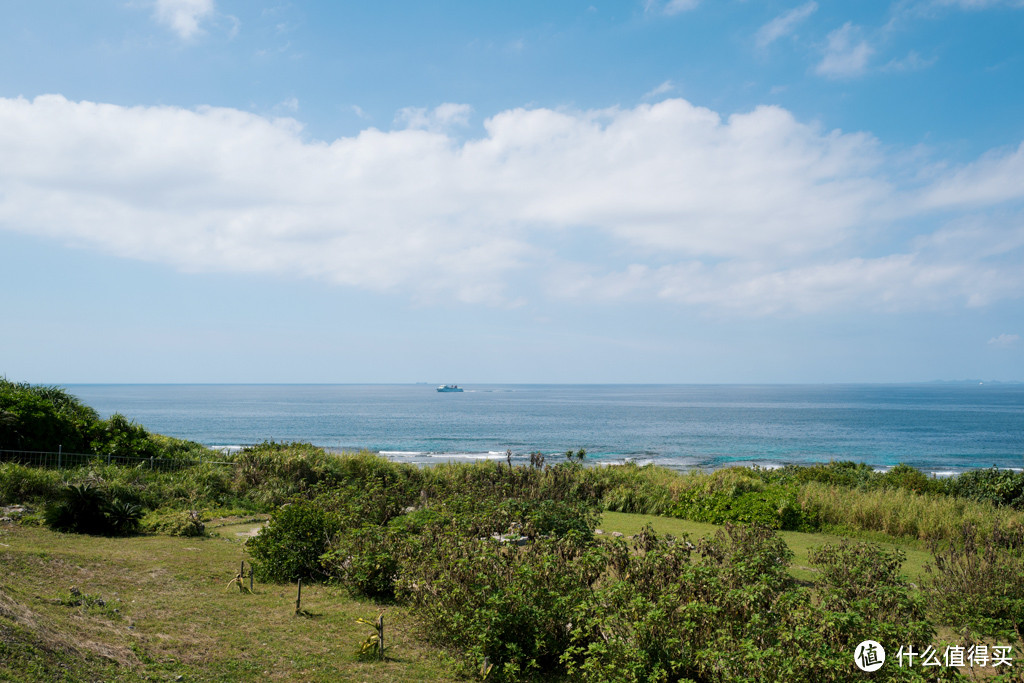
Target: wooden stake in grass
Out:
[240,579]
[298,599]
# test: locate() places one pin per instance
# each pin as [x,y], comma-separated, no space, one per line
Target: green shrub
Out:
[174,522]
[271,474]
[843,473]
[79,509]
[366,560]
[907,478]
[975,582]
[723,609]
[122,517]
[773,506]
[289,547]
[999,487]
[120,436]
[863,585]
[511,606]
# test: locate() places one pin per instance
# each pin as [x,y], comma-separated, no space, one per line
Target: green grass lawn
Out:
[800,543]
[176,615]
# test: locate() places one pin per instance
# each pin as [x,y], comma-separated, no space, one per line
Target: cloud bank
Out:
[755,213]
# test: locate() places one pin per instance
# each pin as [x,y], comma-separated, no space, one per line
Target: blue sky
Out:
[472,192]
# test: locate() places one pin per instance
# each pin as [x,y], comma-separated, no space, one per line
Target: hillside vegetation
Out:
[497,572]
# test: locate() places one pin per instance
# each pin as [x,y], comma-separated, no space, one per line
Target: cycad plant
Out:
[85,509]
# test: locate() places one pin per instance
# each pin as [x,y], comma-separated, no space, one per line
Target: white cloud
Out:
[993,179]
[670,7]
[912,62]
[1005,340]
[663,89]
[846,53]
[897,282]
[784,24]
[677,6]
[755,213]
[184,16]
[977,4]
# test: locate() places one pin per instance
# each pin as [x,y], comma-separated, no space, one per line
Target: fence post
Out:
[60,447]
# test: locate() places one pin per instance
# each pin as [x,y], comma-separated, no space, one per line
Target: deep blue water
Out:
[936,427]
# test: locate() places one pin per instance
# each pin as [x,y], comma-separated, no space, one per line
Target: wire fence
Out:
[63,460]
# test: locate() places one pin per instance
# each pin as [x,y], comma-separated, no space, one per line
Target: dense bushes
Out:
[771,506]
[41,418]
[975,583]
[656,608]
[501,567]
[45,418]
[999,487]
[727,609]
[511,606]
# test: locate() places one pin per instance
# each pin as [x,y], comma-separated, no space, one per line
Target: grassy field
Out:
[169,611]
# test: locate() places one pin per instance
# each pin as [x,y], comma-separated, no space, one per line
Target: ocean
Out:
[939,428]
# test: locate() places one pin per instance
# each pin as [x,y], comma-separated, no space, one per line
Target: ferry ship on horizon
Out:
[449,388]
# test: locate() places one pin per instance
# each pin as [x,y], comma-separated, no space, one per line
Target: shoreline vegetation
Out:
[543,571]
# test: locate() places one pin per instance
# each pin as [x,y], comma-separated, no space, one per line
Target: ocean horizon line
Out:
[895,383]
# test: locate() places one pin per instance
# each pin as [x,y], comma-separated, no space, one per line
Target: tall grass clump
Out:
[901,512]
[647,490]
[21,484]
[273,473]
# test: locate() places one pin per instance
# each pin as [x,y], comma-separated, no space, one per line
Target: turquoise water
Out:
[936,427]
